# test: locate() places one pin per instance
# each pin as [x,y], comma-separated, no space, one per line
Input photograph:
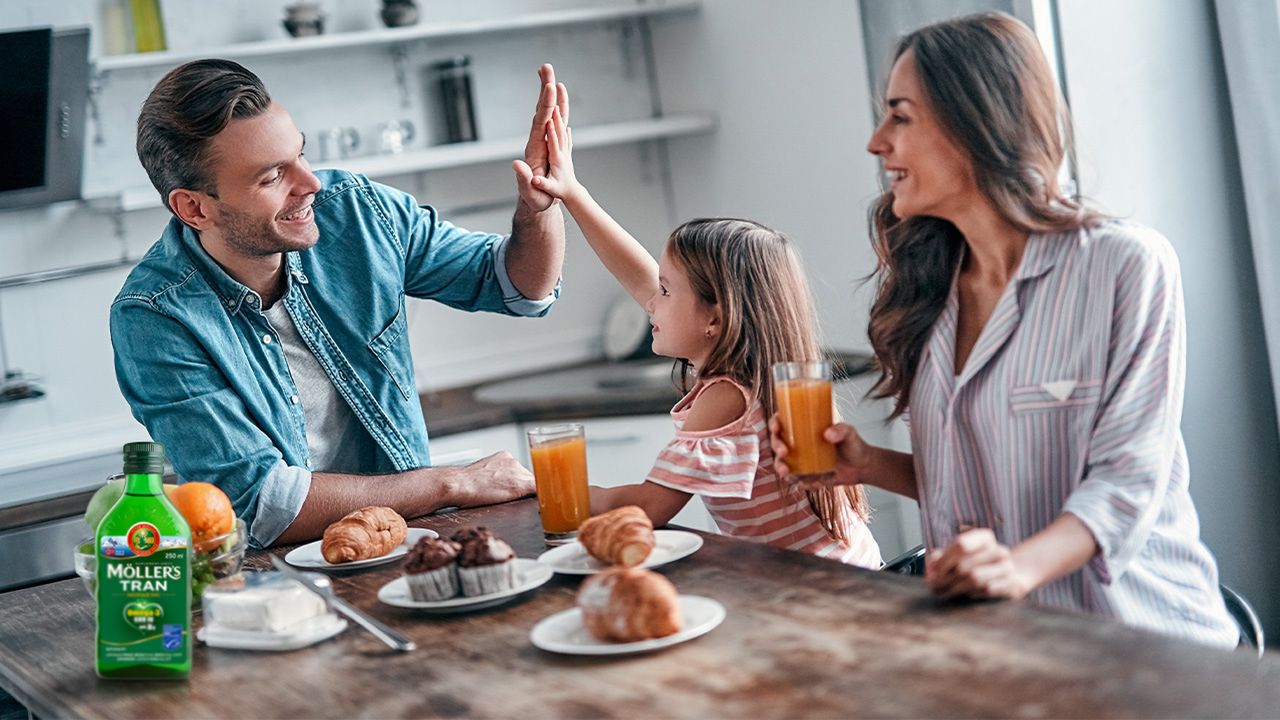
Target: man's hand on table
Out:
[491,480]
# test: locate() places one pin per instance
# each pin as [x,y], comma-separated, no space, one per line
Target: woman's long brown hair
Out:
[988,83]
[754,277]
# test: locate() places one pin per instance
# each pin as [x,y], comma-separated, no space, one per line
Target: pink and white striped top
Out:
[1070,401]
[732,469]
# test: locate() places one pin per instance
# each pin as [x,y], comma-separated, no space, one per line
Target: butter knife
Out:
[322,587]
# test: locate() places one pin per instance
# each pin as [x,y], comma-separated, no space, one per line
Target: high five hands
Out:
[553,98]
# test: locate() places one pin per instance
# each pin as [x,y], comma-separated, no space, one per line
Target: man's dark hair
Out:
[185,110]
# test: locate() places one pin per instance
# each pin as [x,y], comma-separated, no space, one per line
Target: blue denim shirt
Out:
[203,370]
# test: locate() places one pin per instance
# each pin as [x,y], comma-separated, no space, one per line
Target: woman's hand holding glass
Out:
[851,456]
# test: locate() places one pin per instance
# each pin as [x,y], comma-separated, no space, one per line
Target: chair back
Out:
[910,562]
[1247,621]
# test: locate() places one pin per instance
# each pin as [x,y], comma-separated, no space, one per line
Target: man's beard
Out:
[250,236]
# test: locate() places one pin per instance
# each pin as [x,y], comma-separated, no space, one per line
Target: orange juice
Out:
[560,474]
[804,410]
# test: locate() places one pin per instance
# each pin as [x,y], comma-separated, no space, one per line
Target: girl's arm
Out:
[621,253]
[658,502]
[716,407]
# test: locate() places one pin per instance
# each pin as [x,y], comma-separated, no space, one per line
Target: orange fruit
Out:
[207,510]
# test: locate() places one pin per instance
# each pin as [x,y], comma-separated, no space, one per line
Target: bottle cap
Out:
[143,458]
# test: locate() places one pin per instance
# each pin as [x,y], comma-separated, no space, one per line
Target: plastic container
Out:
[206,567]
[265,611]
[456,108]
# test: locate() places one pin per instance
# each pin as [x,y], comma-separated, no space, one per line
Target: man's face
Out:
[264,185]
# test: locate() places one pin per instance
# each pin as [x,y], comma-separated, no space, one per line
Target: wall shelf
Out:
[447,156]
[393,36]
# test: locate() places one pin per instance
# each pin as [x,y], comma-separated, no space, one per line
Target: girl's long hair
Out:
[987,81]
[754,276]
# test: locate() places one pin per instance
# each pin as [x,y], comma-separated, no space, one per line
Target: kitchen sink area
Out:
[622,380]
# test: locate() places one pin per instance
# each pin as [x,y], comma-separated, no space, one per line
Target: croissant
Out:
[367,532]
[622,536]
[629,604]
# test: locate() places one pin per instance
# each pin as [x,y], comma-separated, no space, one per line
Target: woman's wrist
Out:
[886,469]
[1063,547]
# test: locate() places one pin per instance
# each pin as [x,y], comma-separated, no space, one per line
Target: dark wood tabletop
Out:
[804,637]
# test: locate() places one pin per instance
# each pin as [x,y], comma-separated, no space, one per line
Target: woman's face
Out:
[929,174]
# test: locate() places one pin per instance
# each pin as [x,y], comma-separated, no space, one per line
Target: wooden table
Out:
[803,638]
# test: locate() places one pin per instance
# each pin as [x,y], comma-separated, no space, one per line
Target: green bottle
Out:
[144,576]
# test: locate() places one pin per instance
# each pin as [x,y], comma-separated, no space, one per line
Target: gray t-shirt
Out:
[333,432]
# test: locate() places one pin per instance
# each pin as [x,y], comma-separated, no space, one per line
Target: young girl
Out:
[728,299]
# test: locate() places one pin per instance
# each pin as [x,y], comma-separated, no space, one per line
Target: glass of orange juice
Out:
[559,454]
[802,392]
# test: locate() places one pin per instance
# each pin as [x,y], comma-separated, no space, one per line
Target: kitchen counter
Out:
[803,637]
[459,409]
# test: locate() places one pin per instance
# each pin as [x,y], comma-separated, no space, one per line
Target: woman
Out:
[1036,347]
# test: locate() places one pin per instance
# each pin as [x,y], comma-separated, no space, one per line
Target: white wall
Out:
[1154,129]
[790,88]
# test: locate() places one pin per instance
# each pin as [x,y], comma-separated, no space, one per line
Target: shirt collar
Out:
[1043,252]
[231,292]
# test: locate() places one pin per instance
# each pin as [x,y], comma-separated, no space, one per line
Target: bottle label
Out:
[143,597]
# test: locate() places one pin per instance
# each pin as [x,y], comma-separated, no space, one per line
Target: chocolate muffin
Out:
[431,569]
[486,564]
[463,535]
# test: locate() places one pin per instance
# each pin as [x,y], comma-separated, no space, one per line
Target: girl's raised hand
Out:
[850,456]
[560,181]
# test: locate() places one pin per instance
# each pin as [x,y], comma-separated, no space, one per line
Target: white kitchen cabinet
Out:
[467,447]
[895,520]
[621,450]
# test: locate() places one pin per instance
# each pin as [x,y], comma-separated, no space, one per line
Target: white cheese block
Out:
[265,602]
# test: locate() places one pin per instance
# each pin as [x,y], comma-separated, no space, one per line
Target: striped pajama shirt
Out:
[1070,402]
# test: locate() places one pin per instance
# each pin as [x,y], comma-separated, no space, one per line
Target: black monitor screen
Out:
[24,107]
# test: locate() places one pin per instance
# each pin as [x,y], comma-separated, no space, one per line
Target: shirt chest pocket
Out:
[393,353]
[1054,396]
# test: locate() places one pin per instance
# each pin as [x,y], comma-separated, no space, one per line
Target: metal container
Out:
[456,109]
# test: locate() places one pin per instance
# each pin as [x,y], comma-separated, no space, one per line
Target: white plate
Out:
[308,556]
[564,632]
[302,634]
[529,575]
[669,546]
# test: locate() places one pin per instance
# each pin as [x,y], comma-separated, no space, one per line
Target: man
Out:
[263,340]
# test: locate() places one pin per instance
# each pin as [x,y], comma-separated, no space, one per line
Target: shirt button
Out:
[308,463]
[266,339]
[293,399]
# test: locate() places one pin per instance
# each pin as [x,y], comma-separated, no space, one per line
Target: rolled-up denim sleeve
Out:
[1136,439]
[458,267]
[185,402]
[516,302]
[280,499]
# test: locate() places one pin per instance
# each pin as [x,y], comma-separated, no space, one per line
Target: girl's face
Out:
[684,326]
[930,174]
